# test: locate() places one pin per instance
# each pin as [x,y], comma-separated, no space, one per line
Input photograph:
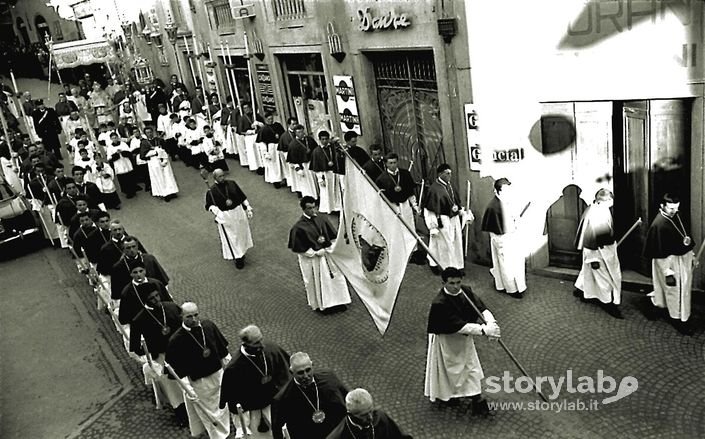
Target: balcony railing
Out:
[222,16]
[288,9]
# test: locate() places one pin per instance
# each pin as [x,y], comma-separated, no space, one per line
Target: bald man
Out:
[198,351]
[364,421]
[228,203]
[257,372]
[311,404]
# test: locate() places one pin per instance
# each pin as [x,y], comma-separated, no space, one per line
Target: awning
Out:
[83,53]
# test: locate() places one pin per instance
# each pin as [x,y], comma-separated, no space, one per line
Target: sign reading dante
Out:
[390,20]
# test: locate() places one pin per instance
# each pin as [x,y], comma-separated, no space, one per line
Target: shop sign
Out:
[389,20]
[266,91]
[347,104]
[508,155]
[471,126]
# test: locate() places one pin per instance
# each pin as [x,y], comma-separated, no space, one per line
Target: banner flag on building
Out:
[373,247]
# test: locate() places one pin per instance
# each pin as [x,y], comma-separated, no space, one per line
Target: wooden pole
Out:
[203,85]
[217,85]
[25,119]
[232,72]
[225,66]
[467,228]
[157,400]
[631,229]
[190,64]
[250,77]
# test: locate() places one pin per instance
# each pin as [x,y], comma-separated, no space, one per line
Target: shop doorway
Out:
[652,157]
[407,94]
[307,93]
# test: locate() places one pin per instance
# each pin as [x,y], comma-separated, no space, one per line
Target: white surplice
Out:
[161,174]
[676,298]
[453,369]
[605,283]
[330,195]
[208,391]
[508,263]
[234,231]
[322,291]
[273,172]
[447,244]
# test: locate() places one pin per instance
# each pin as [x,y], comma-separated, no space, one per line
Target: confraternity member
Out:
[323,160]
[508,266]
[670,248]
[364,421]
[398,186]
[312,238]
[232,212]
[600,275]
[453,369]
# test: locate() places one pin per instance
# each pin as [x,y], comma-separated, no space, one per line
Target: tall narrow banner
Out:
[375,254]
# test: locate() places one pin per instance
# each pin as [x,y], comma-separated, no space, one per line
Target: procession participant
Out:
[82,142]
[144,117]
[500,220]
[177,98]
[48,158]
[299,158]
[89,168]
[105,180]
[399,187]
[111,251]
[213,104]
[65,209]
[63,109]
[254,376]
[453,369]
[98,237]
[228,121]
[311,404]
[100,101]
[157,322]
[120,272]
[56,183]
[111,88]
[71,124]
[81,207]
[193,138]
[198,100]
[600,275]
[48,127]
[168,126]
[375,165]
[140,166]
[198,351]
[119,156]
[268,140]
[175,84]
[86,188]
[232,211]
[156,98]
[80,241]
[445,218]
[103,134]
[247,127]
[161,175]
[311,238]
[669,245]
[133,294]
[364,421]
[213,149]
[323,167]
[283,150]
[357,153]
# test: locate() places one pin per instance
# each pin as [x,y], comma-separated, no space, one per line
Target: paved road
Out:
[549,331]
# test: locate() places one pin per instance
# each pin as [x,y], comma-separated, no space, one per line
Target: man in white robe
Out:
[453,369]
[669,245]
[323,165]
[161,174]
[508,262]
[232,212]
[600,275]
[312,238]
[445,219]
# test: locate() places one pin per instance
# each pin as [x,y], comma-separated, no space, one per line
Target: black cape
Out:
[110,253]
[441,198]
[374,169]
[300,150]
[185,355]
[305,233]
[219,193]
[120,273]
[387,182]
[321,157]
[242,382]
[450,313]
[663,240]
[133,297]
[270,133]
[149,323]
[384,428]
[493,219]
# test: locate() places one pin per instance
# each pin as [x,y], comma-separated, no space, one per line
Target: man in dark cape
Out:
[155,97]
[48,127]
[120,273]
[81,207]
[323,166]
[399,187]
[508,262]
[451,323]
[311,404]
[375,165]
[670,246]
[86,188]
[111,251]
[232,211]
[98,237]
[81,242]
[198,351]
[269,135]
[311,238]
[132,298]
[254,376]
[299,158]
[445,219]
[357,153]
[364,421]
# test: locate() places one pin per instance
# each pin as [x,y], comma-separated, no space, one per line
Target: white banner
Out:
[373,246]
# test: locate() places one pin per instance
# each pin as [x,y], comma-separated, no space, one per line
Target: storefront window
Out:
[307,94]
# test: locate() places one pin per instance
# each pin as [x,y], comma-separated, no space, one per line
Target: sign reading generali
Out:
[347,104]
[389,20]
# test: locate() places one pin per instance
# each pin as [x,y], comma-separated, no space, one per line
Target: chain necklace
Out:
[206,351]
[684,235]
[265,375]
[348,420]
[164,326]
[318,415]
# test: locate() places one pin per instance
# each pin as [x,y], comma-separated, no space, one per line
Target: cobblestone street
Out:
[549,332]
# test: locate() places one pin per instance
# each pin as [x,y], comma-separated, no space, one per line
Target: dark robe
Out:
[65,108]
[110,253]
[147,145]
[133,298]
[65,210]
[120,273]
[300,150]
[48,127]
[149,323]
[374,169]
[440,199]
[450,313]
[284,141]
[595,235]
[185,354]
[219,193]
[152,101]
[56,188]
[357,153]
[74,224]
[291,407]
[95,241]
[81,242]
[91,191]
[244,123]
[242,382]
[663,240]
[493,219]
[387,182]
[384,428]
[323,159]
[270,133]
[304,235]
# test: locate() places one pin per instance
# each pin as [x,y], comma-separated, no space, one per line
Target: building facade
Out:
[33,20]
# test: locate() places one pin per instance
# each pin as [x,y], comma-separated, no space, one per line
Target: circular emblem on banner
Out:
[372,248]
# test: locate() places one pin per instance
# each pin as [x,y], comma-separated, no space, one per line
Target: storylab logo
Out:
[566,392]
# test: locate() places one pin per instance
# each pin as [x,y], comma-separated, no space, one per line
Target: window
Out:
[222,17]
[288,9]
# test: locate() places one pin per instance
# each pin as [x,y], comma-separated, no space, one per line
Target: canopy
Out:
[83,53]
